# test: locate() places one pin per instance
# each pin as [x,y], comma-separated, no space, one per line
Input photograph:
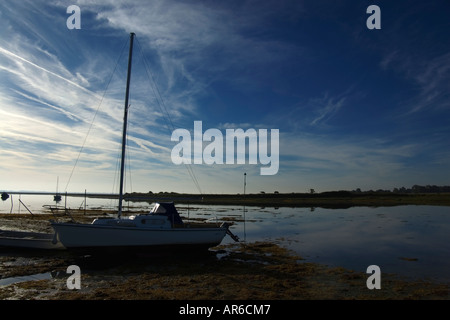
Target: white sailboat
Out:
[161,228]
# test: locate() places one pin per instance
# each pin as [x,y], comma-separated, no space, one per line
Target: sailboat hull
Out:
[73,235]
[29,240]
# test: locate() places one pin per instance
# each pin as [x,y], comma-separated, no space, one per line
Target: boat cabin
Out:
[162,216]
[167,209]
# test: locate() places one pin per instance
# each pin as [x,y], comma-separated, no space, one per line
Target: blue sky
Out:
[355,108]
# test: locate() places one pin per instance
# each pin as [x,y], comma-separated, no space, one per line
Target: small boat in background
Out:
[57,197]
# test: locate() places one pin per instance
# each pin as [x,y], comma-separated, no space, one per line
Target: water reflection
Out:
[408,240]
[34,277]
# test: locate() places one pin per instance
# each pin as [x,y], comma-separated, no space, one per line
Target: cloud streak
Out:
[15,56]
[40,107]
[326,107]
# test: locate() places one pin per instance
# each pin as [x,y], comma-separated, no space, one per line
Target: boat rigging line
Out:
[162,107]
[95,115]
[160,104]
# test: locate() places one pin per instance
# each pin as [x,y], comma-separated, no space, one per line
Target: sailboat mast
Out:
[125,118]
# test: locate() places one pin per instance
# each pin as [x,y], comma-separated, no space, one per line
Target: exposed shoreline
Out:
[243,271]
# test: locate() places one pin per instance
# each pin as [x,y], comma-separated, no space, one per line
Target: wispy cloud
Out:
[430,75]
[17,57]
[195,44]
[54,110]
[345,162]
[325,108]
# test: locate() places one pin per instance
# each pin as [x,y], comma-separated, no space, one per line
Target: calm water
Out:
[355,238]
[413,241]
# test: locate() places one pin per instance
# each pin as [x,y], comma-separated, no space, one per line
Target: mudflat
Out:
[256,271]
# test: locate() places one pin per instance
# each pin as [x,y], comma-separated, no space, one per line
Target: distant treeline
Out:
[414,189]
[416,195]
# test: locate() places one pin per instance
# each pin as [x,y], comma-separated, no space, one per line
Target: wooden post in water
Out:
[26,207]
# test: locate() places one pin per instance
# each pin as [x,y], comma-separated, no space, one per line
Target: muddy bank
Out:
[258,270]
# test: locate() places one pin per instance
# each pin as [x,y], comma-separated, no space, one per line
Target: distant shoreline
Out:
[335,199]
[331,199]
